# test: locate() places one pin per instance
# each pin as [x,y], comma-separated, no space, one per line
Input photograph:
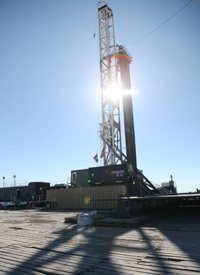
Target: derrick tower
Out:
[114,70]
[110,131]
[115,77]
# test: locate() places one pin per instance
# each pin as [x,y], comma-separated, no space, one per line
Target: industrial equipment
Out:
[114,71]
[33,193]
[115,83]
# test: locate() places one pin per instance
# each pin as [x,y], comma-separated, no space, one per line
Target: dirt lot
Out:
[40,242]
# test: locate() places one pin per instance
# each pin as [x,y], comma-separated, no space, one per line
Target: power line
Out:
[62,105]
[160,24]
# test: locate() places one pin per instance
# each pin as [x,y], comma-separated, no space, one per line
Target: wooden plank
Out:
[171,257]
[31,268]
[73,252]
[140,267]
[69,248]
[55,264]
[158,266]
[9,268]
[97,271]
[107,269]
[183,266]
[193,254]
[57,258]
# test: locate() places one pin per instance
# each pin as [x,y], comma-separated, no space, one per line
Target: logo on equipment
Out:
[118,173]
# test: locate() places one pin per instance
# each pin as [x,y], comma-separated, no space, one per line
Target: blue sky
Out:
[49,85]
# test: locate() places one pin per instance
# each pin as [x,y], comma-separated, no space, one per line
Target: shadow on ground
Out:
[80,250]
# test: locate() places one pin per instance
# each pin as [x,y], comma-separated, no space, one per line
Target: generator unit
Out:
[110,174]
[102,175]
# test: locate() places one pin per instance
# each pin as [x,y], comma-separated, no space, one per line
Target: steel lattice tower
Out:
[110,127]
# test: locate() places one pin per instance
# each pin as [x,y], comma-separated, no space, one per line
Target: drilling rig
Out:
[114,71]
[118,167]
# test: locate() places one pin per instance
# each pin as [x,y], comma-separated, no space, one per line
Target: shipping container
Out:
[81,198]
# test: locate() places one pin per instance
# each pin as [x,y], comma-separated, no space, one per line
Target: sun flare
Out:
[115,92]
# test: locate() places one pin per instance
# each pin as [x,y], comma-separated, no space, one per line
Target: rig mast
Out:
[110,130]
[115,59]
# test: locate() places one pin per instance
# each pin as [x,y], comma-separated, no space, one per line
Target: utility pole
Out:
[4,181]
[14,177]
